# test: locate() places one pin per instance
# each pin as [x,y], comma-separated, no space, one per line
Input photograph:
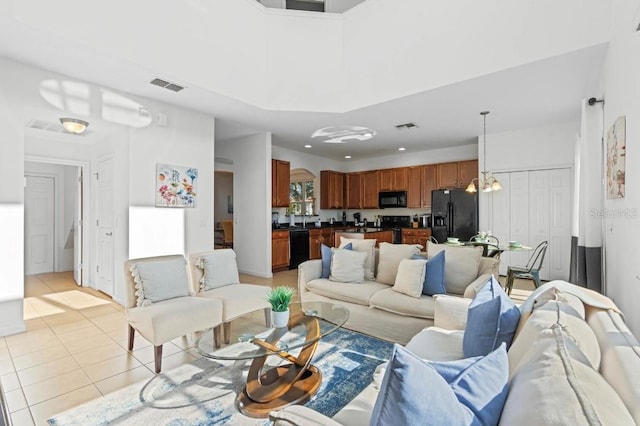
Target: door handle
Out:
[108,234]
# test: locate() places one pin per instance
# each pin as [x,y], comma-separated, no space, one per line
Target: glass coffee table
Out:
[296,380]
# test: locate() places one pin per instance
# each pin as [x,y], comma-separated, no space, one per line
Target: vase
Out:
[280,319]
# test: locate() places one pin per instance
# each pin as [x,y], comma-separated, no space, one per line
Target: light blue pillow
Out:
[492,319]
[471,391]
[413,393]
[434,275]
[326,253]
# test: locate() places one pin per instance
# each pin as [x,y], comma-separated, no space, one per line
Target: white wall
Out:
[251,156]
[622,93]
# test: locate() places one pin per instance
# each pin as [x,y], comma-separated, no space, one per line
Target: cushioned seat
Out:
[160,304]
[223,284]
[359,293]
[398,303]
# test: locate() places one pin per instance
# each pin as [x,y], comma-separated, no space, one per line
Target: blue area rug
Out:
[203,392]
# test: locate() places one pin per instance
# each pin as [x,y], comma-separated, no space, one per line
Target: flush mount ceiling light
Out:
[307,146]
[402,148]
[487,182]
[341,134]
[347,156]
[74,125]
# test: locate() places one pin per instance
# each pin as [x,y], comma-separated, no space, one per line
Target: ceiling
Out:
[543,92]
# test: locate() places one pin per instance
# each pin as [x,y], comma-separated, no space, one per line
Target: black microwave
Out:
[388,199]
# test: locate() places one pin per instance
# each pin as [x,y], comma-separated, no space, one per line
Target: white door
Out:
[104,268]
[519,215]
[39,205]
[559,252]
[77,232]
[500,224]
[539,214]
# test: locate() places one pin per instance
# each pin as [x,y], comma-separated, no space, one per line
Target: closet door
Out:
[559,224]
[499,214]
[539,216]
[519,216]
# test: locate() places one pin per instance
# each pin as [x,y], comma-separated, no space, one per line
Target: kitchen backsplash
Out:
[369,214]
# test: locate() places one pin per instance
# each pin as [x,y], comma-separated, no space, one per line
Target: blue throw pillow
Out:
[326,253]
[413,393]
[434,275]
[492,319]
[468,391]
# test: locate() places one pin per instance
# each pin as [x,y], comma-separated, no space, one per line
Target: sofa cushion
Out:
[461,265]
[434,278]
[478,386]
[347,266]
[410,277]
[543,318]
[357,293]
[158,281]
[389,259]
[549,387]
[366,246]
[398,303]
[238,299]
[492,319]
[327,255]
[450,312]
[220,269]
[437,344]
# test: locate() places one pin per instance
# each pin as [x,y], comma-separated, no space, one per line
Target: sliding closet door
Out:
[499,214]
[560,224]
[539,214]
[519,211]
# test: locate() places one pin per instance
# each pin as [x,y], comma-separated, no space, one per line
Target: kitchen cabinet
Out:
[393,179]
[380,237]
[456,174]
[331,189]
[280,180]
[414,191]
[369,190]
[416,236]
[279,250]
[428,181]
[467,170]
[354,191]
[317,237]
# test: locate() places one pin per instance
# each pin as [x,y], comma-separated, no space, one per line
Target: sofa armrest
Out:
[450,312]
[298,415]
[472,289]
[307,271]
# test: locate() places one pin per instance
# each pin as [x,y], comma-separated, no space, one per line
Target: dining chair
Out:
[227,230]
[531,270]
[490,245]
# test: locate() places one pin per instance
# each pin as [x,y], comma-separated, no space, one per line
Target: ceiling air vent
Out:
[406,126]
[166,84]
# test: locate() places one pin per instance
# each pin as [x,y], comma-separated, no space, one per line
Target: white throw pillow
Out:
[390,257]
[220,269]
[157,281]
[347,266]
[410,277]
[461,265]
[367,246]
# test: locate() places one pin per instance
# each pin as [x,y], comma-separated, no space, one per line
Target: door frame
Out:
[55,261]
[86,198]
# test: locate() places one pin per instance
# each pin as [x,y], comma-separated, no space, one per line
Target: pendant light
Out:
[487,182]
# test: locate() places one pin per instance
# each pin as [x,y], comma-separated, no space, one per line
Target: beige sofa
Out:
[573,361]
[378,310]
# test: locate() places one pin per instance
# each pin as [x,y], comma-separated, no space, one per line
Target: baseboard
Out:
[255,273]
[8,331]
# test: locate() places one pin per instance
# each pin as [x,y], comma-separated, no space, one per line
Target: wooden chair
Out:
[227,230]
[165,320]
[531,270]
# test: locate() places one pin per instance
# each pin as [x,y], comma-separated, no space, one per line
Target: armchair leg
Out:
[132,333]
[227,331]
[216,335]
[267,317]
[157,356]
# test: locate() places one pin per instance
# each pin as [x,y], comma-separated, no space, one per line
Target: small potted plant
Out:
[280,297]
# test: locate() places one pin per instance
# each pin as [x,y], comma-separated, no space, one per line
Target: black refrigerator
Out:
[454,213]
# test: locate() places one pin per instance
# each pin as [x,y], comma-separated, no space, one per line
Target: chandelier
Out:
[487,182]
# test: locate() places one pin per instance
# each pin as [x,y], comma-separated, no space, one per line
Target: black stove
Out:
[395,223]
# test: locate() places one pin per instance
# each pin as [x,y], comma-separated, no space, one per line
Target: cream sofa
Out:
[378,310]
[573,361]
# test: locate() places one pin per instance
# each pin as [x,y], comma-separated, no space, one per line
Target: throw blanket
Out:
[588,297]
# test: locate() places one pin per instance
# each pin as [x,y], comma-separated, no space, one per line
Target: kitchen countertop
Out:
[339,226]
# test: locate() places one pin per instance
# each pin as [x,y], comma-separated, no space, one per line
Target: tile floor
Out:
[74,349]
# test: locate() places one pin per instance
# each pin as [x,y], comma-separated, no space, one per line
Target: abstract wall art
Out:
[616,159]
[176,186]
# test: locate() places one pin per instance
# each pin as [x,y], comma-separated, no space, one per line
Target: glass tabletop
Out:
[261,340]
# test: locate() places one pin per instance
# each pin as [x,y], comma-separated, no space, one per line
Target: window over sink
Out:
[302,196]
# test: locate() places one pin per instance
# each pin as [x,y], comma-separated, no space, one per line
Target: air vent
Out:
[166,84]
[46,126]
[406,126]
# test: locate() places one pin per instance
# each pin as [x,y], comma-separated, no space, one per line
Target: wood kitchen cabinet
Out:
[380,237]
[369,190]
[353,197]
[414,191]
[393,179]
[429,183]
[457,174]
[416,236]
[331,189]
[467,170]
[280,180]
[317,237]
[279,250]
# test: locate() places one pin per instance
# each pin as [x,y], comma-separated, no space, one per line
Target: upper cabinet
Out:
[393,179]
[457,174]
[331,189]
[280,179]
[353,198]
[369,189]
[422,180]
[429,182]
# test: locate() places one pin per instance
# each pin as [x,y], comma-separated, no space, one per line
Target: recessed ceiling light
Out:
[402,148]
[307,146]
[347,156]
[340,134]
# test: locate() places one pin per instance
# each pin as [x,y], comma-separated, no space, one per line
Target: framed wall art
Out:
[176,186]
[616,159]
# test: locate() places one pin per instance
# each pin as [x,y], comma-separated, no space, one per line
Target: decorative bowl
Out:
[453,240]
[514,243]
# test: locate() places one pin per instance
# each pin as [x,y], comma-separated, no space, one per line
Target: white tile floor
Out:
[74,349]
